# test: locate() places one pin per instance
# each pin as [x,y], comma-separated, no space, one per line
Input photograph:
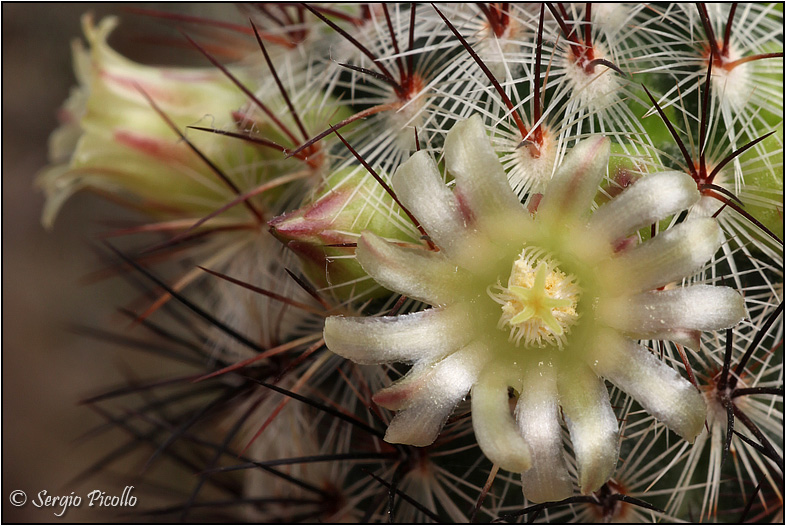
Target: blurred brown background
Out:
[47,368]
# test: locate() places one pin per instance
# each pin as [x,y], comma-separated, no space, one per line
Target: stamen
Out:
[539,303]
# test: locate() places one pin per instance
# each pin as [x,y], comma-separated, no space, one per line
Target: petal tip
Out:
[409,438]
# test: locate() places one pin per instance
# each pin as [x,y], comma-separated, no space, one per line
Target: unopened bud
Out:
[324,232]
[116,138]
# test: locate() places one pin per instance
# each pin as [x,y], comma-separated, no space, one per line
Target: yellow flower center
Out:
[539,303]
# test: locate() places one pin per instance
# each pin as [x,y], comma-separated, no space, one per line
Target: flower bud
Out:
[324,232]
[113,140]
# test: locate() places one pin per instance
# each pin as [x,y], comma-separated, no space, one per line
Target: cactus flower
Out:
[545,306]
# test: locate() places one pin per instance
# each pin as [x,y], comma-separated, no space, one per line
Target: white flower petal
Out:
[420,424]
[420,336]
[592,424]
[571,191]
[480,179]
[402,392]
[660,390]
[649,200]
[428,395]
[538,417]
[495,429]
[420,188]
[669,256]
[699,307]
[417,273]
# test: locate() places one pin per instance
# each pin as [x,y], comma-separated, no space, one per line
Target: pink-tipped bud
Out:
[324,232]
[121,134]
